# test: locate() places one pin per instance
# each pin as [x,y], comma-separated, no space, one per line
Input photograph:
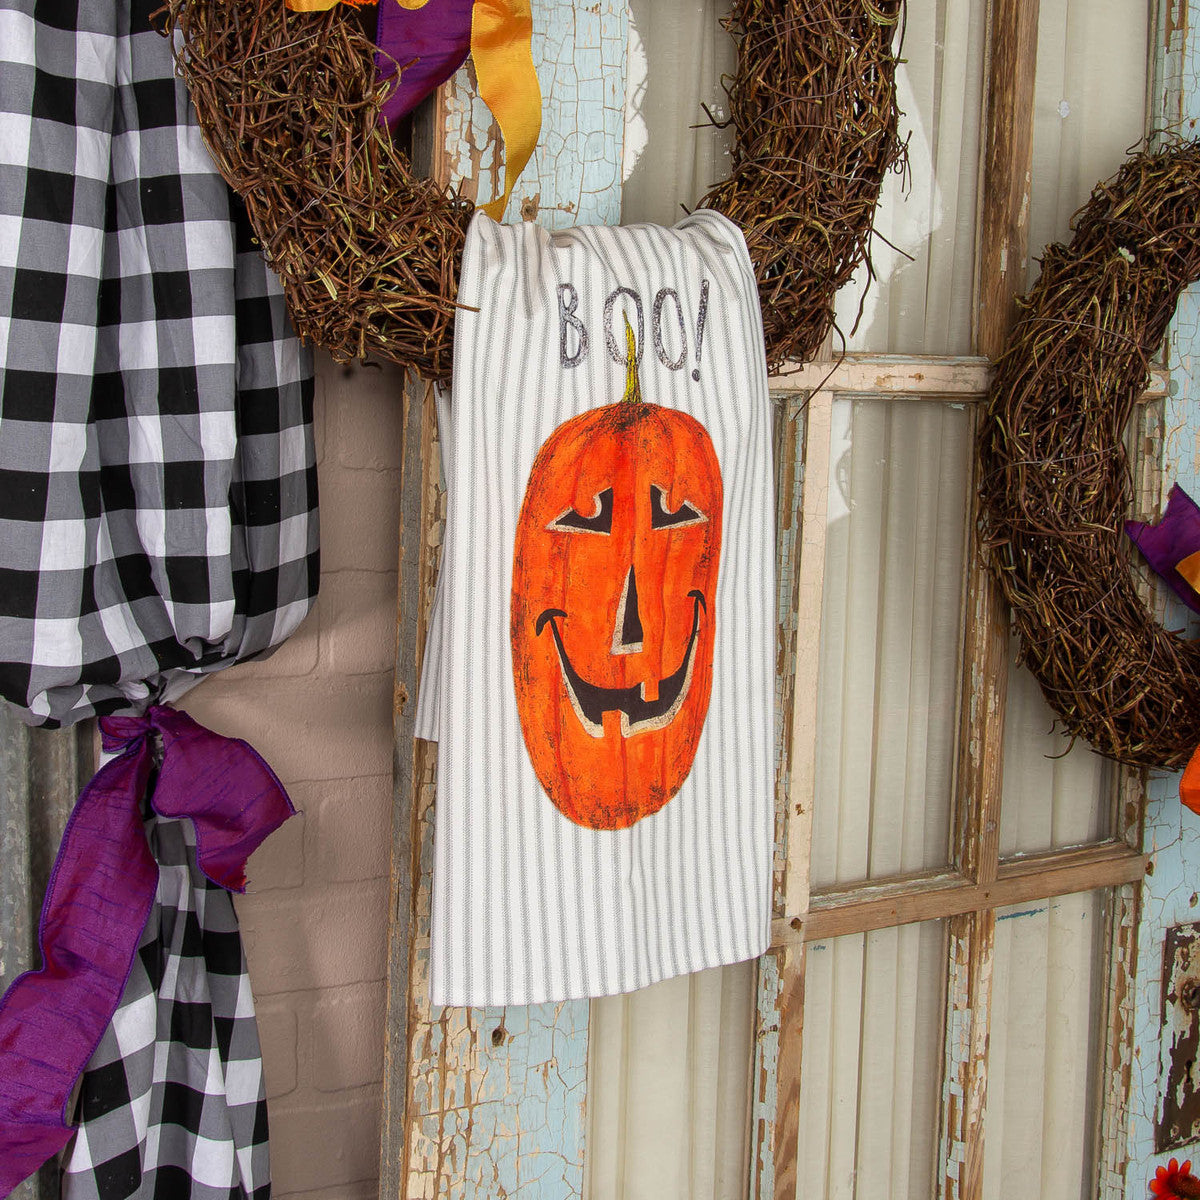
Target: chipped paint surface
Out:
[964,1078]
[1172,833]
[574,177]
[1118,1074]
[765,1088]
[805,596]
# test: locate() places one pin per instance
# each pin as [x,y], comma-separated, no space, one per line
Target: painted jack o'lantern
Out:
[613,601]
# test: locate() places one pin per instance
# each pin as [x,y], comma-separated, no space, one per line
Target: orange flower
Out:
[1174,1180]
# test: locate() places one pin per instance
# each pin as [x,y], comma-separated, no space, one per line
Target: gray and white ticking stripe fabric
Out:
[157,474]
[530,905]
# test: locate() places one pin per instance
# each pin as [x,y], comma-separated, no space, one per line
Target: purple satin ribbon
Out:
[100,895]
[428,44]
[1170,541]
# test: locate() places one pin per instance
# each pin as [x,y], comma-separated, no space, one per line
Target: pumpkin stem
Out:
[633,390]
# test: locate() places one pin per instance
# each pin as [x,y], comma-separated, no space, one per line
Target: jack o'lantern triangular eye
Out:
[660,518]
[600,521]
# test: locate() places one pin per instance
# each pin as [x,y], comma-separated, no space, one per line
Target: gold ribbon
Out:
[1189,568]
[324,5]
[500,46]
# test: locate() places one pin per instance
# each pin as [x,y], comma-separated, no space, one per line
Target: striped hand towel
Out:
[599,675]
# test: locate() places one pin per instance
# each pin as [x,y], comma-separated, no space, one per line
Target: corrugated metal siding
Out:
[41,772]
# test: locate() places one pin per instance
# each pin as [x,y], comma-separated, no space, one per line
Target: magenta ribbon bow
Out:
[1168,545]
[100,895]
[427,45]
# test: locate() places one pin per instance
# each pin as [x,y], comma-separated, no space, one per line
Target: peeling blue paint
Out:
[574,176]
[1025,912]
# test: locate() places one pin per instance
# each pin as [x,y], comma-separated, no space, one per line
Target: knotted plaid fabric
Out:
[173,1091]
[157,479]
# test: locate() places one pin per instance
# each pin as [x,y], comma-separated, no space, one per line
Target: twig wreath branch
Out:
[1055,479]
[368,253]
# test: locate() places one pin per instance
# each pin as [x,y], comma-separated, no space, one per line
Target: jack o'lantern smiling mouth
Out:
[638,715]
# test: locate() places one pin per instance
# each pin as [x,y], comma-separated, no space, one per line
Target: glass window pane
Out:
[1050,798]
[677,55]
[669,1088]
[1089,105]
[890,638]
[1044,1056]
[871,1069]
[920,301]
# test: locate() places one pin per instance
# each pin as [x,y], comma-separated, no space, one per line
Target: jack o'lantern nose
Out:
[627,629]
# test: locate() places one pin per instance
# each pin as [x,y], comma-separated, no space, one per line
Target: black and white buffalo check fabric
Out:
[171,1106]
[157,478]
[157,522]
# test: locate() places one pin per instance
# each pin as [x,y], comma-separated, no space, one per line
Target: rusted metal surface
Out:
[1178,1120]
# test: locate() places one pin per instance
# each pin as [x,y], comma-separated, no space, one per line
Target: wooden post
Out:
[1002,253]
[484,1102]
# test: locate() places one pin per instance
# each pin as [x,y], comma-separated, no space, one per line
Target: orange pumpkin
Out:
[613,602]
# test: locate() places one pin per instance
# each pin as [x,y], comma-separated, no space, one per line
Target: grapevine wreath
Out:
[1055,480]
[368,252]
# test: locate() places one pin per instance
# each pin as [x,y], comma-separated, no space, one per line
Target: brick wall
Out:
[320,711]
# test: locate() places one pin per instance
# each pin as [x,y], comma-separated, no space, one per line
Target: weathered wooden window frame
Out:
[978,881]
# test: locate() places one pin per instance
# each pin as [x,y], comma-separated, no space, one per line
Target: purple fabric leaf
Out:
[100,894]
[428,44]
[1167,543]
